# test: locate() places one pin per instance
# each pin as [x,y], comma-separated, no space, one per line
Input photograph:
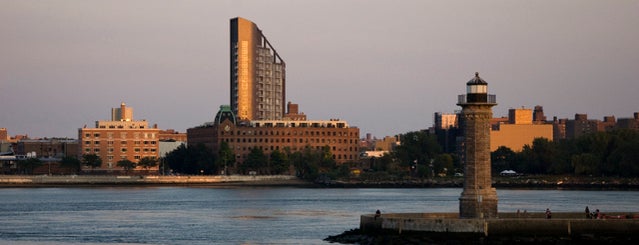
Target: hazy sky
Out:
[384,66]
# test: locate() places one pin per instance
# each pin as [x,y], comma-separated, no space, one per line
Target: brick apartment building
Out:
[272,135]
[119,139]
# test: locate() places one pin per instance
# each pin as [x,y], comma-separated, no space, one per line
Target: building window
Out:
[123,149]
[137,149]
[97,142]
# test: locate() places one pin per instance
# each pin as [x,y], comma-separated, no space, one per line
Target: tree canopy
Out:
[126,164]
[148,162]
[614,153]
[91,160]
[195,159]
[71,163]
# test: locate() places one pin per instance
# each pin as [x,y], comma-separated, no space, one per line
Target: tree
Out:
[279,162]
[255,161]
[443,164]
[501,159]
[195,159]
[543,153]
[201,160]
[626,157]
[327,163]
[384,163]
[27,166]
[148,162]
[306,163]
[225,157]
[417,148]
[91,160]
[586,164]
[71,163]
[126,164]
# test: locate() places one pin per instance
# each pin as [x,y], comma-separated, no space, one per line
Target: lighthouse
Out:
[479,198]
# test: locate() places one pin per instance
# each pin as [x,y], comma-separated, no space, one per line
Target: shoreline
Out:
[521,182]
[238,181]
[88,181]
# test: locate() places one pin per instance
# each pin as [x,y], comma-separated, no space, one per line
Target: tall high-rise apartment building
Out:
[257,74]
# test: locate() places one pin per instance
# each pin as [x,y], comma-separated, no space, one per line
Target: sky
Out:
[383,66]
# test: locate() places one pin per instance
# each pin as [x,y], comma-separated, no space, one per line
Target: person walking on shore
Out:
[548,214]
[588,213]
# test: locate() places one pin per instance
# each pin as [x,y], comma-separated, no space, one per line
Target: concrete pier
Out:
[508,224]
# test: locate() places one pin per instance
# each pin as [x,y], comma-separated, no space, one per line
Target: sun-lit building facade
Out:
[122,138]
[257,74]
[520,130]
[277,135]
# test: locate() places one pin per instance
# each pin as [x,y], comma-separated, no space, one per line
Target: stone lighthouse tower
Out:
[479,198]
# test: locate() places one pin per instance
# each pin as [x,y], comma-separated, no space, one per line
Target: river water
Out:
[199,215]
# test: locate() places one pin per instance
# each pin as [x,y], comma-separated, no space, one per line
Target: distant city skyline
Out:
[383,66]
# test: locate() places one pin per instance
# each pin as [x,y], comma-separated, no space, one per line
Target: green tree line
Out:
[308,163]
[418,156]
[614,153]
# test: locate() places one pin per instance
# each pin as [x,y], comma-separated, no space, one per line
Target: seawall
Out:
[508,224]
[107,180]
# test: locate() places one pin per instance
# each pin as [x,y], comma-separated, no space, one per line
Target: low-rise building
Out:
[519,131]
[122,138]
[629,123]
[171,135]
[48,148]
[277,135]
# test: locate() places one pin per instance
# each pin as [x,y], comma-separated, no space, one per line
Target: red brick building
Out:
[272,135]
[119,139]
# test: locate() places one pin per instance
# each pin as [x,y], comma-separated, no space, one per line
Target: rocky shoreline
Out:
[533,182]
[356,236]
